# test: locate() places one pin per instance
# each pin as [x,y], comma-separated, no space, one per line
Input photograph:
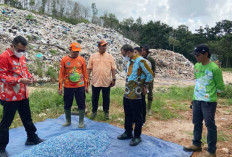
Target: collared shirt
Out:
[12,69]
[101,66]
[138,74]
[73,72]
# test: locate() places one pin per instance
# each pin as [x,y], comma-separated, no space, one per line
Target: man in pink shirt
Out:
[102,66]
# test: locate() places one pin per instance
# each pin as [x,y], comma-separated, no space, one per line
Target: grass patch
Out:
[220,137]
[227,69]
[175,93]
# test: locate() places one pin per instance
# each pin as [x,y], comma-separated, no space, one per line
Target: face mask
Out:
[18,54]
[126,58]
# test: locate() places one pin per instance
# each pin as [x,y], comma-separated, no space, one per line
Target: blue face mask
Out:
[126,58]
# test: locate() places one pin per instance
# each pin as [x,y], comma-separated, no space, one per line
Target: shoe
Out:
[207,154]
[135,141]
[107,116]
[94,114]
[3,153]
[124,136]
[68,117]
[193,148]
[81,119]
[34,141]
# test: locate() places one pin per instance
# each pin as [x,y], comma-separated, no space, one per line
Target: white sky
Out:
[193,13]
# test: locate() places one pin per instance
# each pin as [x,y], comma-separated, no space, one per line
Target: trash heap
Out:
[49,40]
[172,65]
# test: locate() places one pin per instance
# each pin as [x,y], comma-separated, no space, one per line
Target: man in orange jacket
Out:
[73,74]
[14,78]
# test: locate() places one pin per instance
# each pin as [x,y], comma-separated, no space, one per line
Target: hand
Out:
[112,83]
[87,89]
[60,91]
[145,90]
[33,80]
[25,81]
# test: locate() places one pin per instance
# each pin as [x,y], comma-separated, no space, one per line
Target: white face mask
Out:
[126,58]
[18,54]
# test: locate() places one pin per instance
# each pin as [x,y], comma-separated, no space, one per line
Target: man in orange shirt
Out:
[102,65]
[73,74]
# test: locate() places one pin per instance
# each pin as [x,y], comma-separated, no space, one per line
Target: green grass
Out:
[168,103]
[220,137]
[227,69]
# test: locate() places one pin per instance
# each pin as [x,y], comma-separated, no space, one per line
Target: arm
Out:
[85,76]
[148,72]
[89,67]
[4,70]
[113,71]
[219,81]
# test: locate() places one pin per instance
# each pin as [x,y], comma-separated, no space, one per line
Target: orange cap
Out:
[102,42]
[75,46]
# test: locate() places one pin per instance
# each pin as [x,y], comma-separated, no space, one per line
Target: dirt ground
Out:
[180,130]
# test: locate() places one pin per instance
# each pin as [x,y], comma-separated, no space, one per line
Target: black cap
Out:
[145,47]
[202,48]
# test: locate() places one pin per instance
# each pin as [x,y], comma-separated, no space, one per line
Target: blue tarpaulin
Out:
[52,130]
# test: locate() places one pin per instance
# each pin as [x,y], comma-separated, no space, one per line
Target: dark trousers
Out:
[105,96]
[133,109]
[144,108]
[79,94]
[205,110]
[9,110]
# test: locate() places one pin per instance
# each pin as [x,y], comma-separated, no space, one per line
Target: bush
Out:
[227,93]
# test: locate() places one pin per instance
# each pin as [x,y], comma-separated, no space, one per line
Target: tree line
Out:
[156,34]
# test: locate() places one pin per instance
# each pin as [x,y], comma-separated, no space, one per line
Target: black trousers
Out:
[79,94]
[133,109]
[9,110]
[144,108]
[105,95]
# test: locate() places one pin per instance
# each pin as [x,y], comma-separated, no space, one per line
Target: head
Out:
[137,50]
[102,45]
[127,52]
[74,49]
[201,53]
[145,50]
[18,46]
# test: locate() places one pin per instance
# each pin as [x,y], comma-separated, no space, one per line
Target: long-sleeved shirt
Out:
[73,72]
[138,74]
[12,69]
[209,82]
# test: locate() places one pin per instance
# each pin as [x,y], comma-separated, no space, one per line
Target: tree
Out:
[95,19]
[54,11]
[32,4]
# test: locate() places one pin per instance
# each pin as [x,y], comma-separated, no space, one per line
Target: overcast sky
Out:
[193,13]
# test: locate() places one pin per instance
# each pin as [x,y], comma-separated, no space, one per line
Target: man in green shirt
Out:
[209,84]
[145,54]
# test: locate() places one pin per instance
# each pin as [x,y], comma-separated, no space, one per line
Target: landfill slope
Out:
[49,40]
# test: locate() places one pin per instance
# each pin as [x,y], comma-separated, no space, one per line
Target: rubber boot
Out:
[107,115]
[149,108]
[68,117]
[81,119]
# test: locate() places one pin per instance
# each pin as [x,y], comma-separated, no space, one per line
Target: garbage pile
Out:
[171,64]
[49,40]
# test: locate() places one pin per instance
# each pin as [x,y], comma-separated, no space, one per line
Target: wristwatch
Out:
[114,79]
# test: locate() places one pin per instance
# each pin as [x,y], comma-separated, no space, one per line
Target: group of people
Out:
[74,81]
